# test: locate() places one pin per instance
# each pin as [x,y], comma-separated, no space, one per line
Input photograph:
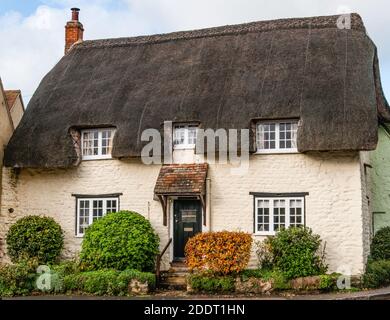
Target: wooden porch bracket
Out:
[164,204]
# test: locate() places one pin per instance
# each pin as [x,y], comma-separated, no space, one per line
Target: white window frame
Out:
[277,148]
[100,139]
[271,200]
[184,145]
[90,216]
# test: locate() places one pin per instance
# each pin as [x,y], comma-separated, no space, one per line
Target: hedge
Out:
[218,252]
[211,283]
[105,282]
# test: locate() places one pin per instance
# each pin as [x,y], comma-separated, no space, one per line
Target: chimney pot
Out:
[75,14]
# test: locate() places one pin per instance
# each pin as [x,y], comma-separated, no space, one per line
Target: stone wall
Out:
[334,206]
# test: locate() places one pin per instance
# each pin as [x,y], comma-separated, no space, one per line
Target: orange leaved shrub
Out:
[221,252]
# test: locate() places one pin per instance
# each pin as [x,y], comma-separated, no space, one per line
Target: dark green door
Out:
[187,222]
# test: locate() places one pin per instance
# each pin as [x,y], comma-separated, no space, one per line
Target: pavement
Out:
[377,294]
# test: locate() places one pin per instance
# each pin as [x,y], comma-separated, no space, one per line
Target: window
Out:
[96,143]
[274,214]
[280,136]
[91,209]
[184,136]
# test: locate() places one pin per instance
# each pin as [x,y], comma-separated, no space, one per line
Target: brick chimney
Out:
[73,30]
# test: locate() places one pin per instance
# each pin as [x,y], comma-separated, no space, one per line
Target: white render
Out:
[336,207]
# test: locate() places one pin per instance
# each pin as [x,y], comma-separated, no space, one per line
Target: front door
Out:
[187,216]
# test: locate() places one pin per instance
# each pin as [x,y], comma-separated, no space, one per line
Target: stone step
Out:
[174,280]
[176,286]
[178,270]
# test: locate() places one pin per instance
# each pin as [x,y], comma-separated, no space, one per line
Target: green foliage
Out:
[295,252]
[35,237]
[328,281]
[105,282]
[380,246]
[377,274]
[18,279]
[264,255]
[121,240]
[58,272]
[210,283]
[278,278]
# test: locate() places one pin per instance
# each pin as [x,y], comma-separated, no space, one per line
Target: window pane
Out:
[192,130]
[287,135]
[97,209]
[106,142]
[185,135]
[111,206]
[179,135]
[296,216]
[91,138]
[265,136]
[263,215]
[83,215]
[279,214]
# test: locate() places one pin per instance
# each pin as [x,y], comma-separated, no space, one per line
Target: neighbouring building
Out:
[11,112]
[307,91]
[380,179]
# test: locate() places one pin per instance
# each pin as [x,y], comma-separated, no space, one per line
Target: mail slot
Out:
[188,229]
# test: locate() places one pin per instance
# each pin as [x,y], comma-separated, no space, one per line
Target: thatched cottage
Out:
[307,90]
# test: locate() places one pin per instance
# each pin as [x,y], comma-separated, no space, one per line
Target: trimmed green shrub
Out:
[377,274]
[120,240]
[380,246]
[35,237]
[279,280]
[18,279]
[295,252]
[210,283]
[105,282]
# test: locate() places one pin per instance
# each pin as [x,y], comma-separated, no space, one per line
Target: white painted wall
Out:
[334,206]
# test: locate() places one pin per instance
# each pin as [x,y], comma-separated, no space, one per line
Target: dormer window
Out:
[184,136]
[277,136]
[96,143]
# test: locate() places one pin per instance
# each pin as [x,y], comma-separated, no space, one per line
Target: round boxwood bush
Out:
[380,246]
[35,237]
[120,240]
[295,252]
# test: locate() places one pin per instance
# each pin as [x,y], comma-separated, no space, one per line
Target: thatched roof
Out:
[222,77]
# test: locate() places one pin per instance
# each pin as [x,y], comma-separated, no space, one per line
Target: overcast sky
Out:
[32,31]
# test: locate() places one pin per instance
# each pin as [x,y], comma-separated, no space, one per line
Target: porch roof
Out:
[182,179]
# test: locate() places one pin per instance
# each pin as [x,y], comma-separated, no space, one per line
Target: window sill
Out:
[184,148]
[97,158]
[277,152]
[79,236]
[264,234]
